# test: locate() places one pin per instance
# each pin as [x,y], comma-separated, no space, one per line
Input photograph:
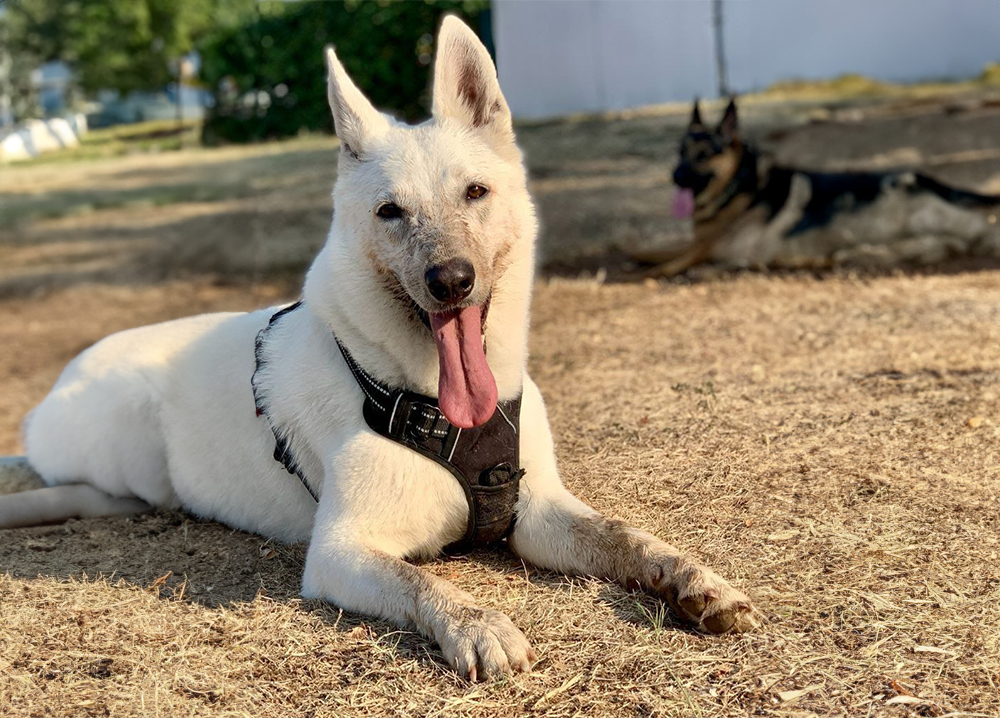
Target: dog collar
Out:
[744,179]
[484,460]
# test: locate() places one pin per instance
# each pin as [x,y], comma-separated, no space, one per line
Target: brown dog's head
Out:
[708,161]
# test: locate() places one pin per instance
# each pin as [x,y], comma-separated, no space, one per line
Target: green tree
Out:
[119,44]
[268,75]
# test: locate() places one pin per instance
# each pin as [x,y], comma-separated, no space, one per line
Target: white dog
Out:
[433,229]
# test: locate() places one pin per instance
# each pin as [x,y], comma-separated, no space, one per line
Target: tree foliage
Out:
[118,44]
[268,75]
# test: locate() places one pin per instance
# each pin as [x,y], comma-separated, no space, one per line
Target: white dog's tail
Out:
[56,504]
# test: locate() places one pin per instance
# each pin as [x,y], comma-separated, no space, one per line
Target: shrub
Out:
[268,77]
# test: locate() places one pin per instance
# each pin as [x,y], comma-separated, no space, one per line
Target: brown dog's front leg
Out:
[692,257]
[559,532]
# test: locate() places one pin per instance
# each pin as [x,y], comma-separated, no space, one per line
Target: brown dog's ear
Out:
[695,115]
[729,126]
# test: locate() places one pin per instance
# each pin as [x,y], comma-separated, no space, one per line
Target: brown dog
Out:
[749,212]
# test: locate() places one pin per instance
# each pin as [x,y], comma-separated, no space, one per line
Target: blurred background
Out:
[167,157]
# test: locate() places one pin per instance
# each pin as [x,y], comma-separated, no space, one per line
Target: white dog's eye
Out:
[475,191]
[389,211]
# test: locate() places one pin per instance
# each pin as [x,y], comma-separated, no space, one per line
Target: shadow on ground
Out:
[235,245]
[155,185]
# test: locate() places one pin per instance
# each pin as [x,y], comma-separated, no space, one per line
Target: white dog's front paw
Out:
[479,643]
[700,596]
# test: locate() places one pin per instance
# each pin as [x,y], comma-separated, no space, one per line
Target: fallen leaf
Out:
[905,700]
[788,696]
[161,581]
[899,688]
[932,649]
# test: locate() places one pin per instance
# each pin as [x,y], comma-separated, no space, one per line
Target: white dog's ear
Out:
[354,118]
[465,82]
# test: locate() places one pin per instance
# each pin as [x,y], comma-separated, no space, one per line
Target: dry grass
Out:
[831,445]
[811,439]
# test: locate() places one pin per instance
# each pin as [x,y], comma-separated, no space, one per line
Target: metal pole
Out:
[180,111]
[720,49]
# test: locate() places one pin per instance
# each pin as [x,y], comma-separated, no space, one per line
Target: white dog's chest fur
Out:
[194,391]
[407,503]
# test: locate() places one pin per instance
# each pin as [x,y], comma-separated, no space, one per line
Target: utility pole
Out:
[720,49]
[183,68]
[180,112]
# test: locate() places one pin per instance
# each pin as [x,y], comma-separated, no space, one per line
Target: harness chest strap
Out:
[282,450]
[484,460]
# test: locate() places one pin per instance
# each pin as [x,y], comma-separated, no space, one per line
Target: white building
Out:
[556,57]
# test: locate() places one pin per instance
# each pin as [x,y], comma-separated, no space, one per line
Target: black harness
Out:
[484,460]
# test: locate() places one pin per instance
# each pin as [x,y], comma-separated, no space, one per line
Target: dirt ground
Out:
[828,443]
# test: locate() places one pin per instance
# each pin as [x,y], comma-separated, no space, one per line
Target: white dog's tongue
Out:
[467,391]
[683,203]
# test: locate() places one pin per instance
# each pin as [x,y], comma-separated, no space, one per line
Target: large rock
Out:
[38,138]
[17,475]
[924,251]
[13,147]
[932,215]
[62,132]
[655,247]
[34,137]
[989,244]
[927,250]
[874,256]
[78,123]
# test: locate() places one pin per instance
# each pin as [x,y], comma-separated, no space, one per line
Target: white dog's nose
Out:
[452,281]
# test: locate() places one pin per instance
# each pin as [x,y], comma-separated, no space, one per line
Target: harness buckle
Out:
[422,420]
[500,475]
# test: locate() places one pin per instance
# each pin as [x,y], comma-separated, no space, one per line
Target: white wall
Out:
[893,40]
[560,56]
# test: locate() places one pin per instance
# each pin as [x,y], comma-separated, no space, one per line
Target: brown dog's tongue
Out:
[683,205]
[467,391]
